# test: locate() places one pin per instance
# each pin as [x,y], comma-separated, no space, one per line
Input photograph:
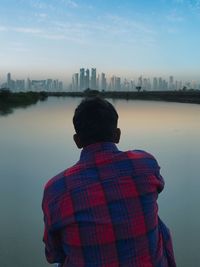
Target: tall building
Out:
[180,85]
[82,79]
[93,79]
[87,79]
[155,83]
[28,85]
[145,84]
[117,84]
[9,81]
[103,81]
[55,85]
[171,83]
[98,82]
[132,85]
[160,84]
[127,85]
[112,83]
[149,87]
[165,85]
[49,85]
[140,81]
[38,85]
[20,85]
[8,78]
[60,86]
[75,84]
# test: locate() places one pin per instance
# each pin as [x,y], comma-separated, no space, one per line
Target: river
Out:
[36,143]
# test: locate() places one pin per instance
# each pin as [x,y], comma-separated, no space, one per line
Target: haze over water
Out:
[36,143]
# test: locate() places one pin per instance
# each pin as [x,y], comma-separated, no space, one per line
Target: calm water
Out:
[36,143]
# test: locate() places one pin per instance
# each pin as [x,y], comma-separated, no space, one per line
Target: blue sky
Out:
[54,38]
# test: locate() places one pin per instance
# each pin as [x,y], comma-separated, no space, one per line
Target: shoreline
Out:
[192,96]
[10,100]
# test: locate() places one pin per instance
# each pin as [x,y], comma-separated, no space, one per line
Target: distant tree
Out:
[5,92]
[138,88]
[91,92]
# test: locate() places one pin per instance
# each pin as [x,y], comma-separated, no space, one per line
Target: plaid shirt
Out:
[102,212]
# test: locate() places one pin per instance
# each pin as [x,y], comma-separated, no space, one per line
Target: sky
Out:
[54,38]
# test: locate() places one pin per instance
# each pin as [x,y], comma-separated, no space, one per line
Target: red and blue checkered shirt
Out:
[103,211]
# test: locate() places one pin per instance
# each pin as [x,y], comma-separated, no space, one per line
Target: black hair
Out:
[95,120]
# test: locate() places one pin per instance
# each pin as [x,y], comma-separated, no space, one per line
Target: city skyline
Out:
[90,78]
[53,38]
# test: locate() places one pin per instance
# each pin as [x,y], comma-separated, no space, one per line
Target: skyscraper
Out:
[171,83]
[82,79]
[155,83]
[98,82]
[117,83]
[112,83]
[28,84]
[49,85]
[75,84]
[20,85]
[9,81]
[103,81]
[87,78]
[60,86]
[160,84]
[93,79]
[140,81]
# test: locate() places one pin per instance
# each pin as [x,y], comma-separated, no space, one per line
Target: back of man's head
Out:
[95,120]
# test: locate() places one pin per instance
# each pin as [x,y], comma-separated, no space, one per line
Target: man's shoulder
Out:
[54,180]
[139,154]
[58,182]
[142,159]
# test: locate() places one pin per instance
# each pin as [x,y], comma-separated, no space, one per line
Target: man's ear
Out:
[117,135]
[77,141]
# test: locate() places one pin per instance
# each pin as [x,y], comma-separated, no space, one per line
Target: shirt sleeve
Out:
[52,238]
[146,166]
[156,177]
[167,242]
[159,178]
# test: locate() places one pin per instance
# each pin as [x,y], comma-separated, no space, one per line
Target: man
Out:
[102,212]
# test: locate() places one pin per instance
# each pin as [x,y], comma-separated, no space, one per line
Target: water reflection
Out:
[10,101]
[36,143]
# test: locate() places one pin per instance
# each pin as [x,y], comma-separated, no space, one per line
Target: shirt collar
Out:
[88,151]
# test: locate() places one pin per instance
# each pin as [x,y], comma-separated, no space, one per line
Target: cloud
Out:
[174,17]
[104,31]
[172,30]
[53,36]
[3,28]
[194,5]
[38,4]
[57,37]
[42,5]
[72,4]
[26,30]
[18,47]
[129,25]
[41,15]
